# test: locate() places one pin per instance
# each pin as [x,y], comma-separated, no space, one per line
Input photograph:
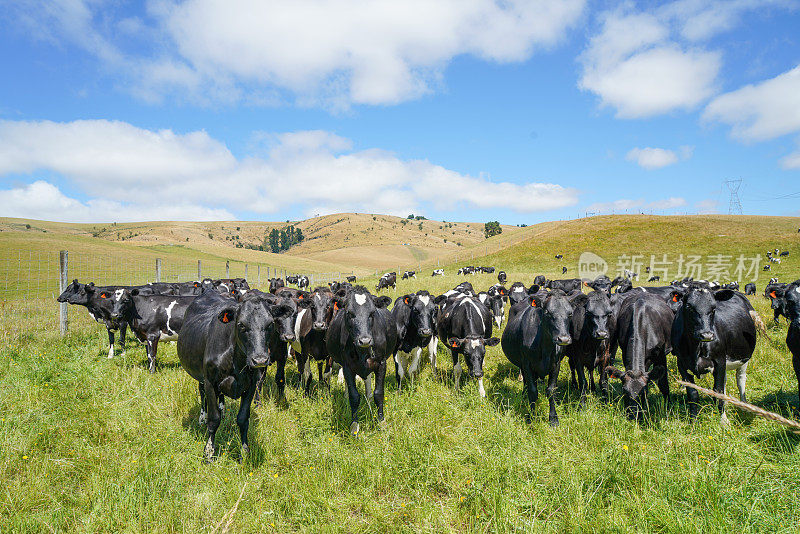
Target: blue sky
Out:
[458,110]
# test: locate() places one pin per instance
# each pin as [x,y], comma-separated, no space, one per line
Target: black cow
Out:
[790,297]
[540,280]
[654,279]
[776,303]
[785,253]
[767,267]
[466,324]
[517,293]
[361,336]
[275,284]
[713,331]
[563,270]
[601,283]
[535,340]
[336,286]
[565,285]
[225,285]
[282,334]
[643,333]
[415,316]
[592,324]
[409,274]
[502,277]
[313,319]
[222,344]
[386,281]
[350,279]
[152,318]
[750,289]
[99,301]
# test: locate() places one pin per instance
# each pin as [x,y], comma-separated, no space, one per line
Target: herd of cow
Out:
[228,334]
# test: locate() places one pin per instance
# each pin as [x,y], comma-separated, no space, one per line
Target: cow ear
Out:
[227,315]
[675,295]
[776,293]
[89,288]
[533,289]
[75,281]
[134,292]
[304,302]
[724,294]
[491,342]
[656,373]
[381,302]
[409,299]
[613,371]
[454,342]
[502,291]
[440,299]
[279,311]
[90,284]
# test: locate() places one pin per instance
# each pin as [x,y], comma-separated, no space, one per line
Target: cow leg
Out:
[341,375]
[323,374]
[380,379]
[552,382]
[214,419]
[262,373]
[529,382]
[692,396]
[592,387]
[720,377]
[741,380]
[123,331]
[152,347]
[243,417]
[796,365]
[110,342]
[433,349]
[416,359]
[573,381]
[328,371]
[308,376]
[368,390]
[400,361]
[663,387]
[579,370]
[354,398]
[456,370]
[203,417]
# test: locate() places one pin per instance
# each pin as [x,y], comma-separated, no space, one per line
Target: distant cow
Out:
[152,318]
[495,304]
[566,286]
[487,270]
[409,274]
[601,283]
[360,339]
[302,282]
[540,280]
[750,289]
[713,332]
[275,284]
[563,270]
[386,281]
[438,272]
[654,279]
[502,277]
[643,333]
[292,279]
[559,256]
[767,267]
[222,344]
[351,279]
[466,324]
[785,253]
[415,316]
[535,340]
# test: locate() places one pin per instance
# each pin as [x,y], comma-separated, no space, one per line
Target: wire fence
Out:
[30,282]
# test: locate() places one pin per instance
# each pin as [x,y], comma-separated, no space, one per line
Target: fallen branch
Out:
[772,416]
[227,519]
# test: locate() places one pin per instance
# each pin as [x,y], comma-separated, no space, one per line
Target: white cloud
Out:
[42,200]
[326,52]
[634,67]
[115,162]
[656,158]
[761,111]
[636,206]
[792,160]
[706,207]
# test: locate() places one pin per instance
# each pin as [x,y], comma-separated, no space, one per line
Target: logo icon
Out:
[590,265]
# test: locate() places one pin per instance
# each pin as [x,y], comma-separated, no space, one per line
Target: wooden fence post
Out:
[158,269]
[258,269]
[227,269]
[199,270]
[245,272]
[62,285]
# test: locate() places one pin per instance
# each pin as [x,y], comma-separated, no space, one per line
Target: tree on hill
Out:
[492,228]
[279,240]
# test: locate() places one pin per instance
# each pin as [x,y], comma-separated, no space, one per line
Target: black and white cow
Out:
[643,333]
[302,282]
[360,338]
[275,284]
[438,272]
[282,334]
[495,303]
[502,277]
[386,281]
[559,256]
[415,316]
[535,340]
[790,297]
[152,318]
[776,303]
[713,331]
[592,324]
[292,279]
[223,345]
[466,324]
[99,301]
[409,274]
[750,288]
[313,319]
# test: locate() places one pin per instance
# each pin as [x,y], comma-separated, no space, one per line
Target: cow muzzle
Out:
[287,337]
[602,335]
[364,342]
[705,337]
[258,361]
[563,340]
[319,326]
[425,331]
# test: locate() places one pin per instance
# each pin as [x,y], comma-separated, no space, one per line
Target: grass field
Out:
[89,444]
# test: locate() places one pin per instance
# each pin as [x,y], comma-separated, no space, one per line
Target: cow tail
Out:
[760,326]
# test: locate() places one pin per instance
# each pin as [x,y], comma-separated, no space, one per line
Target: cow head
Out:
[322,306]
[423,312]
[274,284]
[284,322]
[556,316]
[253,321]
[77,293]
[360,307]
[124,307]
[598,314]
[789,300]
[474,350]
[699,305]
[634,384]
[601,283]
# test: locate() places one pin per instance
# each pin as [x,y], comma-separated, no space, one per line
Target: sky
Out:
[459,110]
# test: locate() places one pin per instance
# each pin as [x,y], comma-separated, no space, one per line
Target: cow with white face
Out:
[415,315]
